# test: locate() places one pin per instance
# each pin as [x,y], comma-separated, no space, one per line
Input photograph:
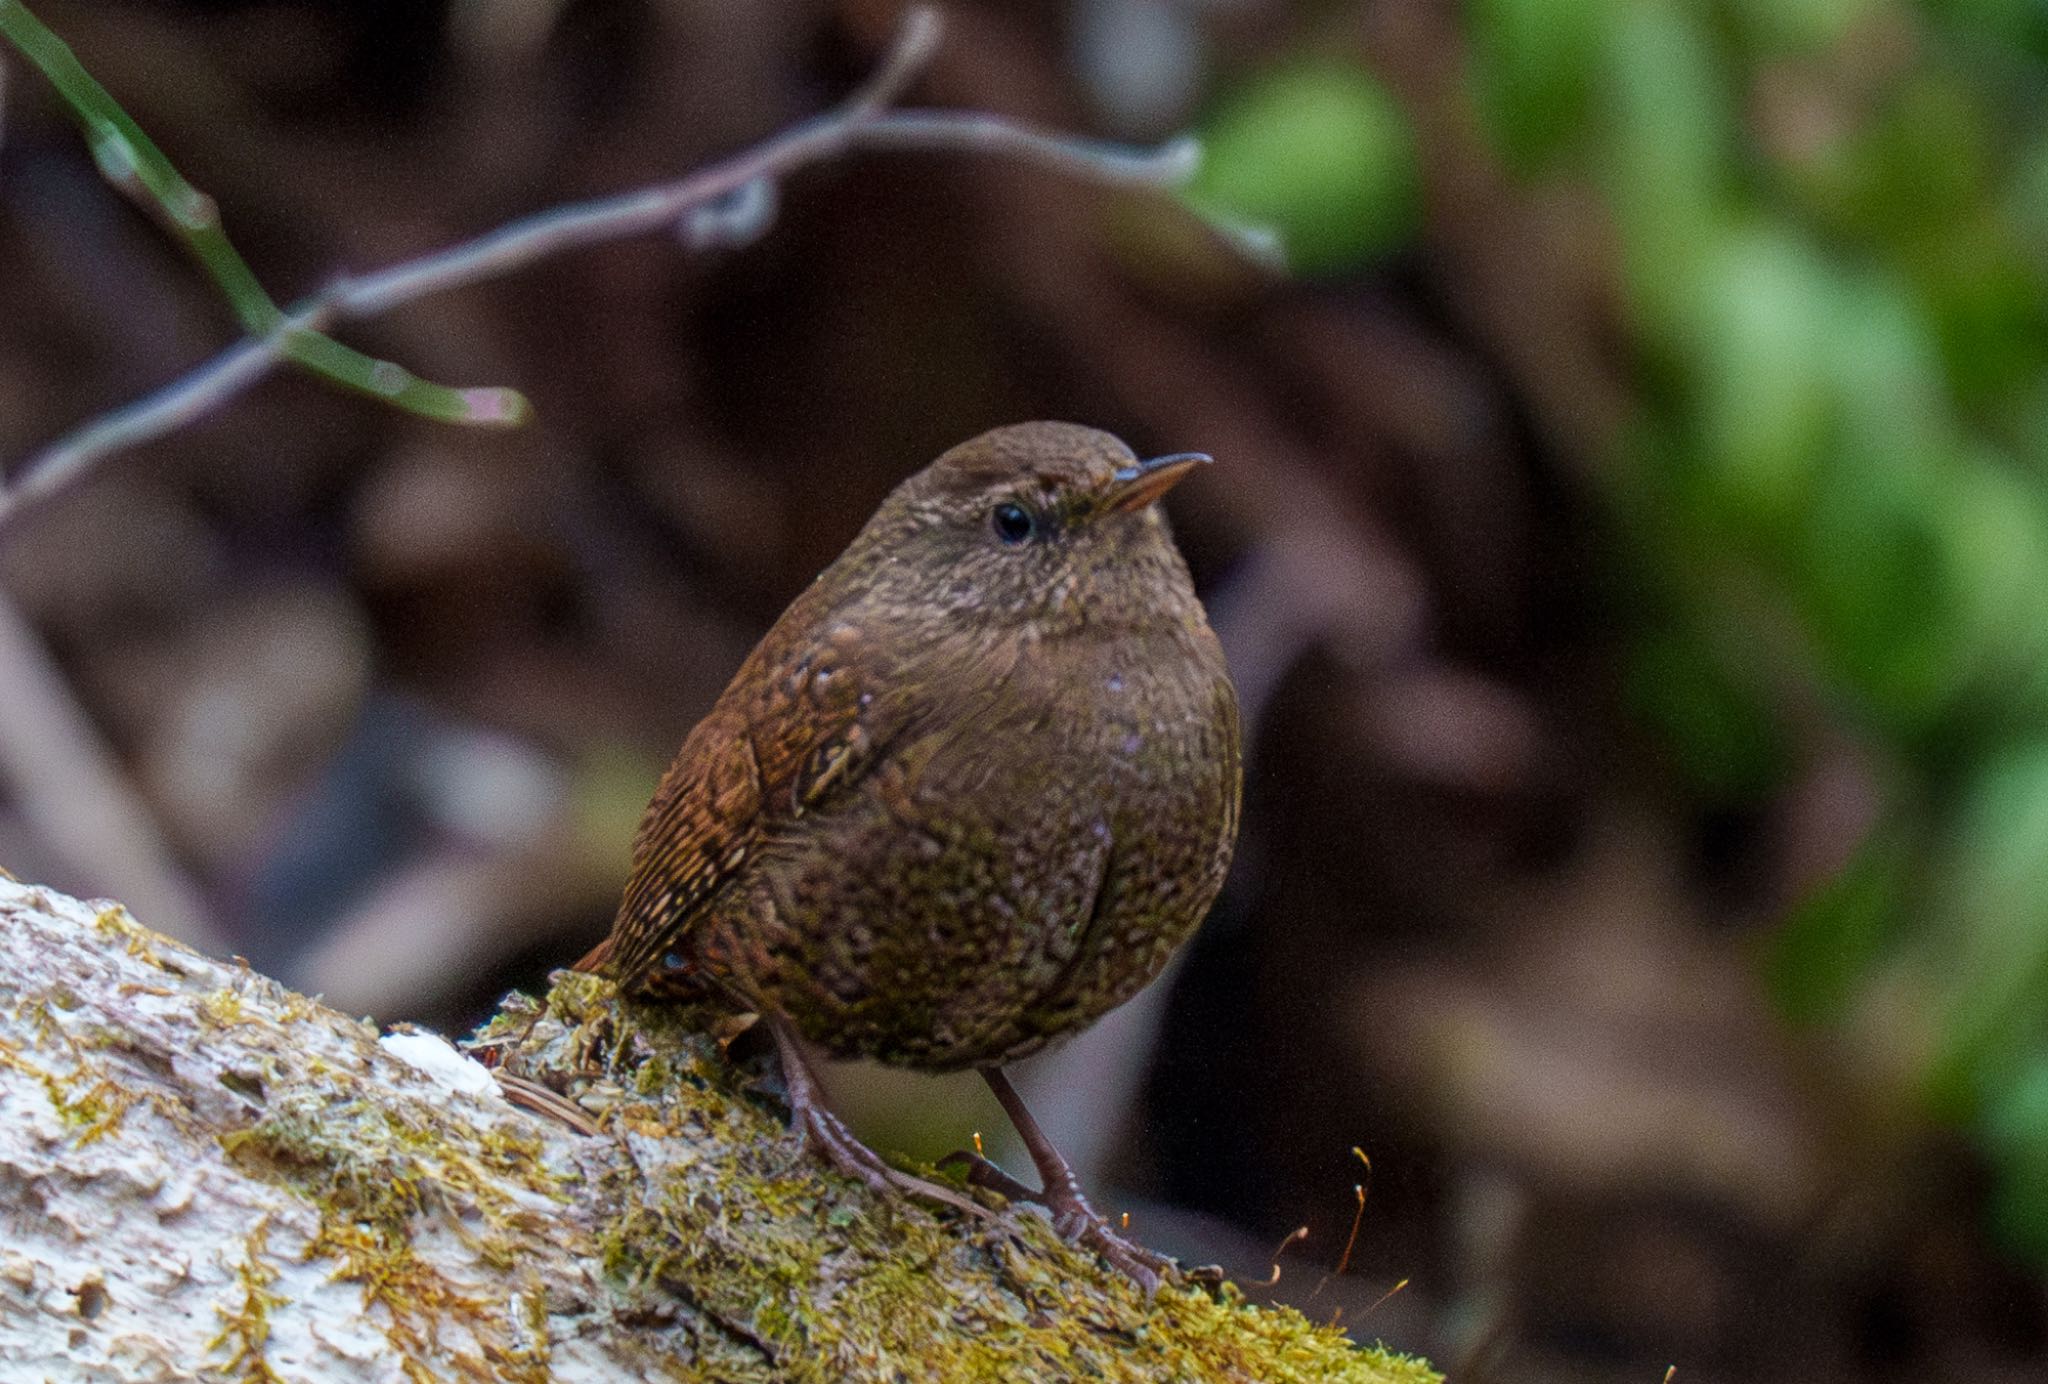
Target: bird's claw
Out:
[1142,1266]
[1074,1220]
[816,1126]
[982,1173]
[811,1121]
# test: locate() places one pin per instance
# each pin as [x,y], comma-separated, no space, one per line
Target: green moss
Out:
[373,1170]
[725,1251]
[91,1112]
[222,1008]
[781,1270]
[141,942]
[88,1102]
[245,1331]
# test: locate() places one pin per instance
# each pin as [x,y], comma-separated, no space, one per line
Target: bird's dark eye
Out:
[1013,523]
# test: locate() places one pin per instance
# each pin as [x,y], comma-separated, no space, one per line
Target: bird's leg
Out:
[811,1119]
[1075,1220]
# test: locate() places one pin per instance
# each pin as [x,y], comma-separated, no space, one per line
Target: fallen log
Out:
[204,1175]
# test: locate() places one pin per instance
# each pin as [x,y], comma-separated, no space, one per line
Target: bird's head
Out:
[1046,525]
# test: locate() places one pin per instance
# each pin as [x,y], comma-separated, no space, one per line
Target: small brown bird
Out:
[967,796]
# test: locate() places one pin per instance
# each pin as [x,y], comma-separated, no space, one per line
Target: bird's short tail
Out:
[597,960]
[678,983]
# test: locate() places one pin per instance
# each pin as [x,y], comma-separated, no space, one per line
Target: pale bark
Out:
[205,1176]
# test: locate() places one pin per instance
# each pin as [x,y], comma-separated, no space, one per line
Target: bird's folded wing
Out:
[772,749]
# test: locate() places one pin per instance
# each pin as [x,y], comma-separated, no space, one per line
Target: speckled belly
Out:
[917,937]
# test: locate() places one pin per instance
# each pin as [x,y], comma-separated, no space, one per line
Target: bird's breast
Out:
[1024,857]
[1105,720]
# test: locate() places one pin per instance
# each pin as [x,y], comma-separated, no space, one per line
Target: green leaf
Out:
[1534,65]
[1320,152]
[1668,165]
[2015,1133]
[1720,732]
[1785,27]
[1830,941]
[1756,335]
[1872,581]
[1993,950]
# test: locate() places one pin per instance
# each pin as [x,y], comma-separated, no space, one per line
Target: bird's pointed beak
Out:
[1142,482]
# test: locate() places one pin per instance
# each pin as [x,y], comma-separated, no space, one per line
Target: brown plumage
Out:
[968,794]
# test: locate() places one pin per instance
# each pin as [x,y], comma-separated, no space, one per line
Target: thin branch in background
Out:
[130,160]
[520,243]
[744,183]
[917,40]
[737,219]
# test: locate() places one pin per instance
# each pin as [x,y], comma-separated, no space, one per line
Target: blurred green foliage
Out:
[1317,152]
[1833,218]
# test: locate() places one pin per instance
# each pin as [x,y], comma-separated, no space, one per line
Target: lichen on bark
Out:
[203,1175]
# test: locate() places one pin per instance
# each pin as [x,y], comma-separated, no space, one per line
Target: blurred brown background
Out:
[393,694]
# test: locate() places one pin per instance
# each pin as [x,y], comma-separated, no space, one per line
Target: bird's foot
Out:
[1076,1222]
[814,1126]
[981,1172]
[1074,1219]
[812,1122]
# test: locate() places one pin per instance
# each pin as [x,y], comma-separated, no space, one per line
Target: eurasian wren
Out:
[968,795]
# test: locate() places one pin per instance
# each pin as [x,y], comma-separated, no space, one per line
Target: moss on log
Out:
[204,1175]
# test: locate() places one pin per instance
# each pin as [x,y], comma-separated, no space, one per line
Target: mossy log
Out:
[206,1176]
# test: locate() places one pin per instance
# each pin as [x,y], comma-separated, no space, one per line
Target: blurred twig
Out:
[130,160]
[860,122]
